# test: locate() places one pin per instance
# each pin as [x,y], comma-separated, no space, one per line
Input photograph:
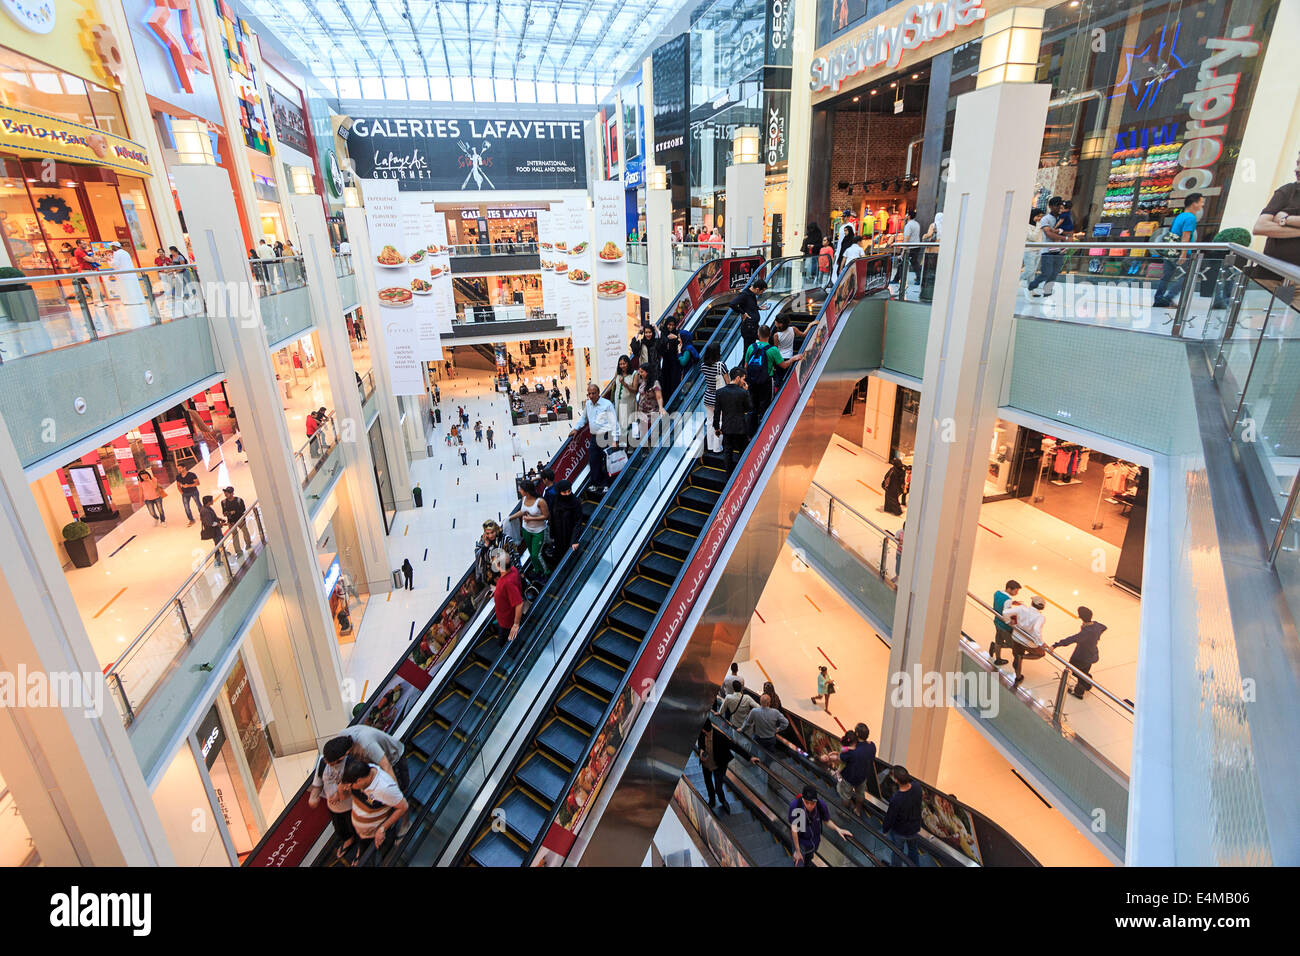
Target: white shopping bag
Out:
[615,461]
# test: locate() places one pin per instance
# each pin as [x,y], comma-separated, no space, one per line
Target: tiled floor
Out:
[803,623]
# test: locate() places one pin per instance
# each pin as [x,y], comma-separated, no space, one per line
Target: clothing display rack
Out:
[1118,486]
[1067,460]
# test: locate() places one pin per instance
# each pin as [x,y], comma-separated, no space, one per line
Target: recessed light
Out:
[916,76]
[894,84]
[874,92]
[856,98]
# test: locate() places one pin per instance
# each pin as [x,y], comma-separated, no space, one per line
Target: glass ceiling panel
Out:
[551,41]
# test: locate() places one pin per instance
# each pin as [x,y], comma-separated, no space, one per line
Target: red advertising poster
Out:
[67,491]
[150,439]
[125,457]
[217,395]
[204,409]
[90,457]
[177,434]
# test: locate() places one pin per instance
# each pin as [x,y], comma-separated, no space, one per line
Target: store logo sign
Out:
[333,175]
[883,45]
[1208,105]
[38,16]
[781,21]
[180,41]
[775,135]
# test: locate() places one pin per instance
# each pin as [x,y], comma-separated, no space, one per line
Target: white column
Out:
[73,774]
[996,142]
[350,419]
[659,248]
[390,418]
[799,130]
[744,225]
[241,342]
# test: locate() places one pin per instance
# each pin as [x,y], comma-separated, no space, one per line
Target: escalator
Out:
[541,775]
[751,833]
[471,669]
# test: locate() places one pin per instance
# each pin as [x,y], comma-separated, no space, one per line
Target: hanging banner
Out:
[218,396]
[391,244]
[549,236]
[177,434]
[125,457]
[419,218]
[577,277]
[610,276]
[150,439]
[444,300]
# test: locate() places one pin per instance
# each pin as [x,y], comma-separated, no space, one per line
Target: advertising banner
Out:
[610,277]
[470,153]
[125,457]
[420,218]
[576,277]
[549,234]
[444,300]
[391,245]
[290,124]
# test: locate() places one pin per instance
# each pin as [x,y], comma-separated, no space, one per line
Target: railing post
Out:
[185,621]
[115,685]
[80,286]
[1288,515]
[1250,372]
[1185,298]
[1060,697]
[884,555]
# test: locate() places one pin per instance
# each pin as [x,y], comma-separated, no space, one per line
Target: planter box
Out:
[82,551]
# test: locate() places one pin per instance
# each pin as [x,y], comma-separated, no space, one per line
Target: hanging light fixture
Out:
[1009,49]
[301,180]
[744,144]
[193,143]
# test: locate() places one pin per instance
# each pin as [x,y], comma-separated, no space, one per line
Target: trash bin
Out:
[418,494]
[399,582]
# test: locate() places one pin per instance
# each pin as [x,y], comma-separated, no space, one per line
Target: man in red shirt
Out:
[507,595]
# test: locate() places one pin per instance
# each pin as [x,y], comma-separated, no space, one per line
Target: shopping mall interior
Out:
[551,397]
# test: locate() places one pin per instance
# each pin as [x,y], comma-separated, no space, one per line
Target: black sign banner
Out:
[464,154]
[290,124]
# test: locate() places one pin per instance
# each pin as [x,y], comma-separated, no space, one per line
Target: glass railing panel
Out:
[316,461]
[1286,559]
[273,276]
[860,557]
[343,265]
[637,254]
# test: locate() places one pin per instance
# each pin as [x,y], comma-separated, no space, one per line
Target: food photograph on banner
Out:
[393,245]
[548,234]
[444,300]
[610,276]
[421,218]
[577,280]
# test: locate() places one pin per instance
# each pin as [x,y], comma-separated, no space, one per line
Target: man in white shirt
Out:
[345,248]
[602,421]
[855,251]
[909,258]
[377,801]
[1028,622]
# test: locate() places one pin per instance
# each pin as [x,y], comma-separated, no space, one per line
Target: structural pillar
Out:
[240,340]
[744,225]
[996,142]
[74,776]
[362,496]
[659,247]
[390,418]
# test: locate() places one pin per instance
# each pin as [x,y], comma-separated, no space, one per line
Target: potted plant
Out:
[80,544]
[1214,262]
[17,301]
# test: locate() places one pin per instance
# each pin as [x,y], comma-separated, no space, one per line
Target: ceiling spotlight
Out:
[856,98]
[874,92]
[894,84]
[916,76]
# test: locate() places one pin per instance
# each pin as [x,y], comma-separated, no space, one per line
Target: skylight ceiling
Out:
[483,50]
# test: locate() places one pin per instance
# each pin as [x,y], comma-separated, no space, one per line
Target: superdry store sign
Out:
[885,44]
[466,154]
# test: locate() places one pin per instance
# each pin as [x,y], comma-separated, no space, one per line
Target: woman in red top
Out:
[507,595]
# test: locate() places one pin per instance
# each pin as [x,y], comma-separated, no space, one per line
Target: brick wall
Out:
[872,146]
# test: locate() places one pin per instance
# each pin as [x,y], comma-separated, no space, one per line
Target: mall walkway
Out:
[802,623]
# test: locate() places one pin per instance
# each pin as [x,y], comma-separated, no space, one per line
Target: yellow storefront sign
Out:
[38,135]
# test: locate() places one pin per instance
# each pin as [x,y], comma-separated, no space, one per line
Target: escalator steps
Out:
[706,476]
[428,740]
[581,706]
[423,789]
[616,646]
[497,849]
[630,618]
[674,543]
[699,499]
[645,592]
[451,707]
[687,521]
[563,740]
[469,679]
[599,674]
[543,776]
[489,651]
[660,567]
[523,815]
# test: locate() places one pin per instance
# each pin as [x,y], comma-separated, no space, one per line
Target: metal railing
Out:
[156,651]
[311,455]
[343,264]
[42,313]
[494,248]
[273,276]
[366,386]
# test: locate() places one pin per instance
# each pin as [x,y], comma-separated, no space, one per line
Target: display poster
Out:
[418,223]
[444,300]
[389,252]
[610,276]
[578,277]
[549,236]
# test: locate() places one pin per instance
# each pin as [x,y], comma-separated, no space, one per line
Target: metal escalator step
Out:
[773,856]
[599,674]
[422,789]
[523,815]
[630,618]
[616,646]
[563,740]
[712,459]
[451,707]
[709,477]
[430,738]
[674,543]
[660,567]
[687,521]
[589,508]
[581,706]
[497,849]
[645,592]
[469,679]
[543,776]
[488,651]
[698,498]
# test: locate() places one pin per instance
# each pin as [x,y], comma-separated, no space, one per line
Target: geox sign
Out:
[883,45]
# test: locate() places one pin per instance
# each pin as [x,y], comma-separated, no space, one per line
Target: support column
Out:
[240,339]
[390,419]
[996,142]
[69,763]
[744,226]
[659,248]
[349,417]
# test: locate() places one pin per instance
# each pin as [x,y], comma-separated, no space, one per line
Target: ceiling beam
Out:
[347,14]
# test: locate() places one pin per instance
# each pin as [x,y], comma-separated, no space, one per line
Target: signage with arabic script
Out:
[470,154]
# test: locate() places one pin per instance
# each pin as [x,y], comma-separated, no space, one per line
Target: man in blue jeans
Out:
[808,814]
[1183,230]
[189,485]
[1052,261]
[602,422]
[902,823]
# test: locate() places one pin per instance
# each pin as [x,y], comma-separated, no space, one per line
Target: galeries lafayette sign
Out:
[885,45]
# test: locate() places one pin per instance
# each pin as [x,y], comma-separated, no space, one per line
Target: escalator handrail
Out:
[452,595]
[731,479]
[639,456]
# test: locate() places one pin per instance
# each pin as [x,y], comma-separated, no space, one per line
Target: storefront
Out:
[336,549]
[501,228]
[67,172]
[523,289]
[1117,143]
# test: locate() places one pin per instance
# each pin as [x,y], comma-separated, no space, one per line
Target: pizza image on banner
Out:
[394,297]
[611,289]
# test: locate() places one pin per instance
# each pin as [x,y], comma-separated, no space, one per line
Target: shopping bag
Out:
[615,461]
